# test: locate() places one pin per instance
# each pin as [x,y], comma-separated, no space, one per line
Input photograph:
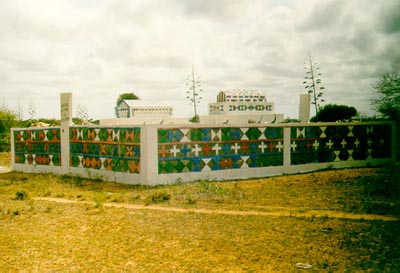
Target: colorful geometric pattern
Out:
[318,144]
[209,149]
[109,149]
[38,147]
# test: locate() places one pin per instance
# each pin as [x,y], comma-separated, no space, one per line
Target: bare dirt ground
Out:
[272,211]
[329,221]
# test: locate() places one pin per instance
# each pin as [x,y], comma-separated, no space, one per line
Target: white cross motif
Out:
[235,147]
[279,146]
[329,144]
[216,148]
[293,146]
[262,146]
[196,149]
[174,150]
[357,142]
[316,144]
[343,143]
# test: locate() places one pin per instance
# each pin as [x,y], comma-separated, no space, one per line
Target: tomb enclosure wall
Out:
[168,153]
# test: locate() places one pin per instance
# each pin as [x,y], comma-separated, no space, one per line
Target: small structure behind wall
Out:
[304,107]
[66,121]
[144,108]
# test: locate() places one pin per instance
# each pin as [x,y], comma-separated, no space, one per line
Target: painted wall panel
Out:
[320,144]
[104,148]
[37,146]
[183,150]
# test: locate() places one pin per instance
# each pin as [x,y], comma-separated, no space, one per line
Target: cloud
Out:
[99,49]
[391,17]
[219,11]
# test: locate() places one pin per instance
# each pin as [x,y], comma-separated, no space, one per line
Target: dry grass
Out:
[251,225]
[5,159]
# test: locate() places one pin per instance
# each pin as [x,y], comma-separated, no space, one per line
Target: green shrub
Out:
[20,195]
[158,197]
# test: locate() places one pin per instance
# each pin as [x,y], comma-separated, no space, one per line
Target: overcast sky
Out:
[100,49]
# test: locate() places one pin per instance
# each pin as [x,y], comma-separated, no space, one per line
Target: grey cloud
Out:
[390,18]
[221,10]
[104,48]
[324,16]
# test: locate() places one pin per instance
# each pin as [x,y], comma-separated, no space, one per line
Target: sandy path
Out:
[4,169]
[276,212]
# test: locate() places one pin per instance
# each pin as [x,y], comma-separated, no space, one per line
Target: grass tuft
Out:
[158,197]
[20,195]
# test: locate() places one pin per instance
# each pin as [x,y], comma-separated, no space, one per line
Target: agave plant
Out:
[312,83]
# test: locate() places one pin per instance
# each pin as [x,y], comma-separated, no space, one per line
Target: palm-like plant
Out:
[312,83]
[193,92]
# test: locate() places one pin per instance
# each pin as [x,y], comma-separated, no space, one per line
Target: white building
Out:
[141,112]
[144,108]
[240,96]
[245,103]
[232,107]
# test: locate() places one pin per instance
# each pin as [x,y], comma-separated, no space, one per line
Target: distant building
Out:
[241,102]
[240,96]
[304,107]
[144,108]
[232,107]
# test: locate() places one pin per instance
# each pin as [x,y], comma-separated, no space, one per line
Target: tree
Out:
[334,112]
[31,109]
[193,93]
[7,121]
[124,96]
[312,83]
[82,112]
[388,101]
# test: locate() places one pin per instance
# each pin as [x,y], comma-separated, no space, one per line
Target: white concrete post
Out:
[149,154]
[286,145]
[66,121]
[395,141]
[12,149]
[304,107]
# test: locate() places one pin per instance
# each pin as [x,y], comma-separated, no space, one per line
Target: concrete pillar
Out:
[304,107]
[66,121]
[149,154]
[12,148]
[286,147]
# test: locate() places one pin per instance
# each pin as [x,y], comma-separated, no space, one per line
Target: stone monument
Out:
[304,107]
